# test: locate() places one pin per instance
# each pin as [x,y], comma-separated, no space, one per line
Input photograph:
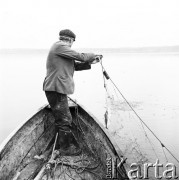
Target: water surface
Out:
[148,81]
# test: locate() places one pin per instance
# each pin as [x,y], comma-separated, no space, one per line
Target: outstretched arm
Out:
[79,66]
[67,52]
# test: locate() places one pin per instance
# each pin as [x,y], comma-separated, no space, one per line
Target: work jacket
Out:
[61,63]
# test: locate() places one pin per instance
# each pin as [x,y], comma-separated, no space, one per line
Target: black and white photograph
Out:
[89,89]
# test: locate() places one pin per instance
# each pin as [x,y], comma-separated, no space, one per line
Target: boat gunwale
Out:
[17,129]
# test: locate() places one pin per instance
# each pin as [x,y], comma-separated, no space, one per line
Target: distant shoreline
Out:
[161,49]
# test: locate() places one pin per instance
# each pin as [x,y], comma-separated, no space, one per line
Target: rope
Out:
[164,152]
[103,75]
[149,140]
[107,77]
[79,166]
[54,144]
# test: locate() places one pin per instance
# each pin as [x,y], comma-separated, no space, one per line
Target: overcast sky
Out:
[97,23]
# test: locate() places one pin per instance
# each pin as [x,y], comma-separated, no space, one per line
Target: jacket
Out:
[60,65]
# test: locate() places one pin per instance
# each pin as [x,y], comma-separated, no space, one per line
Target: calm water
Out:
[148,81]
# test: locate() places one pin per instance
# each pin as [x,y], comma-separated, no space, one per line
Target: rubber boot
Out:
[66,143]
[62,141]
[74,146]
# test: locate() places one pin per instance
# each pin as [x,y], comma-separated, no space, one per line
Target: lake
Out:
[149,81]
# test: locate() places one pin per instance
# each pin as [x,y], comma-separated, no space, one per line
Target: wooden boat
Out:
[30,151]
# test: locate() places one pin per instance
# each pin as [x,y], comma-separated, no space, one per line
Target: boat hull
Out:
[35,138]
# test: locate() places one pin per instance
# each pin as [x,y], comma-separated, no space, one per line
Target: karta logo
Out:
[138,171]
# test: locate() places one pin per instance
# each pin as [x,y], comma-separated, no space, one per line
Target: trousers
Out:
[60,109]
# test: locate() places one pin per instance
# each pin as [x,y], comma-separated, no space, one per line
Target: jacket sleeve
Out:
[79,66]
[67,52]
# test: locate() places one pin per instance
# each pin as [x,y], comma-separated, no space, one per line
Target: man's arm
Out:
[67,52]
[79,66]
[87,65]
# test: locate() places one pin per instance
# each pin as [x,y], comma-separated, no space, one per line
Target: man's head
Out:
[67,36]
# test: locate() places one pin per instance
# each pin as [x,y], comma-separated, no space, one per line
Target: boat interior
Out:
[31,153]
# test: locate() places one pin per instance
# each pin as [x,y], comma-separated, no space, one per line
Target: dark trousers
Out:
[60,109]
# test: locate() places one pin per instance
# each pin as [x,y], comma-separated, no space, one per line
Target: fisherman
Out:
[58,83]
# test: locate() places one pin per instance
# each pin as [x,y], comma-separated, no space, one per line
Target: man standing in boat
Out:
[61,63]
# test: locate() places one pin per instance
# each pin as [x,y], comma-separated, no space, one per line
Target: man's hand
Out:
[97,59]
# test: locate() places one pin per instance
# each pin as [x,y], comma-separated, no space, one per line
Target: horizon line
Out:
[123,47]
[147,49]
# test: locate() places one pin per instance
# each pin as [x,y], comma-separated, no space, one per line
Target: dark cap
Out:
[67,33]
